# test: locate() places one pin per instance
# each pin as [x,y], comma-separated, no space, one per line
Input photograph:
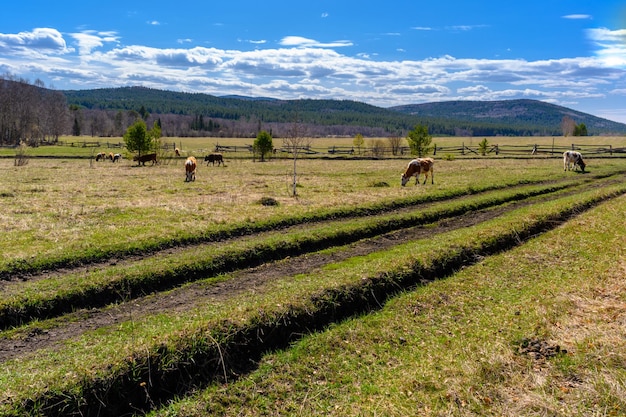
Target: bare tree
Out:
[295,142]
[377,147]
[568,125]
[395,143]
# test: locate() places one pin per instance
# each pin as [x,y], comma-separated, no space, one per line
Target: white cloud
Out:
[304,67]
[91,39]
[578,16]
[464,28]
[324,15]
[610,45]
[299,41]
[154,22]
[44,40]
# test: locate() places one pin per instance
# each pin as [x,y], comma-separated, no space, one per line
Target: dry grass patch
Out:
[77,204]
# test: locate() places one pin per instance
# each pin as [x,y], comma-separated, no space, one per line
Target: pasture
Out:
[126,289]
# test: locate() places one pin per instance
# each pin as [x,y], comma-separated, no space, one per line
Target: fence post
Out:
[497,149]
[463,149]
[435,150]
[611,149]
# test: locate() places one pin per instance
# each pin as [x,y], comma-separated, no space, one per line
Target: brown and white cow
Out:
[117,157]
[213,158]
[145,158]
[177,151]
[417,167]
[573,158]
[190,169]
[101,156]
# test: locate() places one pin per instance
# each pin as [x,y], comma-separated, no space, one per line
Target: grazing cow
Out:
[177,151]
[142,159]
[110,156]
[116,157]
[418,166]
[574,158]
[101,156]
[190,169]
[213,158]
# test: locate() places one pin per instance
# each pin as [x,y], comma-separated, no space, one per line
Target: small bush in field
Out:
[268,201]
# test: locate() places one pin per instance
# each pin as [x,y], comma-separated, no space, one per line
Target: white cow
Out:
[573,158]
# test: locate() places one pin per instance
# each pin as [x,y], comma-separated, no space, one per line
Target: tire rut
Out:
[187,297]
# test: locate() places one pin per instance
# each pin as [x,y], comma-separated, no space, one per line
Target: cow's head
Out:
[404,179]
[582,164]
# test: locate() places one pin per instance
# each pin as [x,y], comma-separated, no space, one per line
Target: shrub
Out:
[268,201]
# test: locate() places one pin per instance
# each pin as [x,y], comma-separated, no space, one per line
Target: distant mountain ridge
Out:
[512,112]
[477,118]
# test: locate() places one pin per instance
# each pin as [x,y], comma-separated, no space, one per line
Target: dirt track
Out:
[187,297]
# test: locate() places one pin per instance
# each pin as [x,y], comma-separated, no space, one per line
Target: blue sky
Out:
[566,52]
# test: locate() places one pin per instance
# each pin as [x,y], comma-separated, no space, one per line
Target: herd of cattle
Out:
[571,160]
[102,156]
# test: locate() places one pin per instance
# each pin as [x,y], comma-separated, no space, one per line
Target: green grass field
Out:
[440,315]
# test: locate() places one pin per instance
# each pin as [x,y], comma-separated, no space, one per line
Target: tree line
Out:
[35,114]
[30,113]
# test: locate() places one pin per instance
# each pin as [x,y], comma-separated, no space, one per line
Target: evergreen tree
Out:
[263,144]
[76,127]
[419,141]
[580,130]
[137,138]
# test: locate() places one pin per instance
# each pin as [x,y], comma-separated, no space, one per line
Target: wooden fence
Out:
[527,150]
[462,150]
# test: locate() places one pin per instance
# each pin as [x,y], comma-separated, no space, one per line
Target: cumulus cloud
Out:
[44,40]
[304,67]
[610,45]
[89,40]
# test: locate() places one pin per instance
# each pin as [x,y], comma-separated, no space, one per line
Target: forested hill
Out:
[517,114]
[515,117]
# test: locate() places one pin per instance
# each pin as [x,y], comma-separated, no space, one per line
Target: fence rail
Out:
[509,150]
[527,150]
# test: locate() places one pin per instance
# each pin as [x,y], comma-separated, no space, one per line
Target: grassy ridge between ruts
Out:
[21,302]
[136,365]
